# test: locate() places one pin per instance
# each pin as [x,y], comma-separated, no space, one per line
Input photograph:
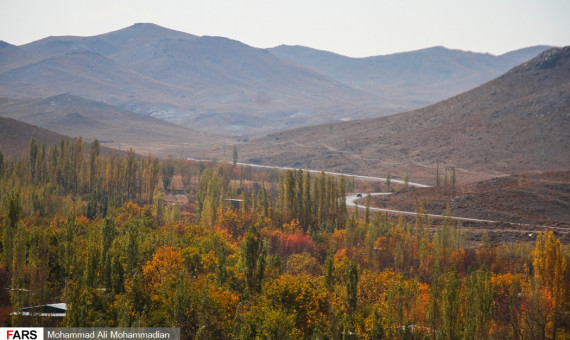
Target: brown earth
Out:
[517,123]
[521,203]
[15,137]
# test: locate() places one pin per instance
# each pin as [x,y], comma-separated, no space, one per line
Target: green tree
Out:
[367,214]
[478,312]
[235,155]
[108,234]
[451,304]
[377,332]
[94,152]
[17,292]
[328,271]
[435,300]
[352,287]
[167,172]
[12,213]
[253,260]
[1,164]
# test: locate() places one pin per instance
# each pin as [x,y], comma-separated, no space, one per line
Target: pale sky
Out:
[355,28]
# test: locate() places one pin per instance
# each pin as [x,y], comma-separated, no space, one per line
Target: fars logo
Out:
[19,333]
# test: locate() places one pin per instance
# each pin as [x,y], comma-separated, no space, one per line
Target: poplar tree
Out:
[94,152]
[1,164]
[235,155]
[352,287]
[478,305]
[253,260]
[451,304]
[12,213]
[167,172]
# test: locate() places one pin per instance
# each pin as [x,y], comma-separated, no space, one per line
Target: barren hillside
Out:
[223,86]
[518,122]
[78,117]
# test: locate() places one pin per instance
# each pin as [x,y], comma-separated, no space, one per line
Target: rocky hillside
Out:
[79,117]
[208,83]
[410,79]
[515,123]
[223,86]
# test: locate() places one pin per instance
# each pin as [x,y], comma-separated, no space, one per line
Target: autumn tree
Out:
[552,274]
[12,212]
[478,305]
[352,287]
[253,260]
[451,304]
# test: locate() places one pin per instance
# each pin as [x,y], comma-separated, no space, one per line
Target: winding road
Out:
[352,199]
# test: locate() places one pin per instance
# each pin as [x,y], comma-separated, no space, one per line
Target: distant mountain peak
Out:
[145,28]
[4,44]
[145,24]
[550,57]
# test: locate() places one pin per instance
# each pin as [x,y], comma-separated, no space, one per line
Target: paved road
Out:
[351,200]
[361,177]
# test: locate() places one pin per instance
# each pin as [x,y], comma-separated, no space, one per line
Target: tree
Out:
[352,287]
[94,152]
[377,332]
[253,260]
[12,213]
[17,293]
[1,164]
[552,273]
[108,234]
[507,302]
[367,214]
[451,305]
[235,155]
[328,271]
[435,300]
[388,181]
[478,306]
[167,172]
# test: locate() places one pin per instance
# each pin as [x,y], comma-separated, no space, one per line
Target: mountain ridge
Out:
[517,122]
[210,84]
[431,69]
[74,116]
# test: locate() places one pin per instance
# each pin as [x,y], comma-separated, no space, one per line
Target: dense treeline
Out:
[45,177]
[256,255]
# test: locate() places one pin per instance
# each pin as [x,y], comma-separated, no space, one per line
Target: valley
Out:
[154,177]
[515,124]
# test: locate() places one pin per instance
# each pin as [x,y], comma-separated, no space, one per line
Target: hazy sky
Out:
[350,27]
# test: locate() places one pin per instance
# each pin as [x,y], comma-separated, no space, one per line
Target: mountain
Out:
[202,82]
[410,79]
[16,135]
[517,122]
[79,117]
[223,86]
